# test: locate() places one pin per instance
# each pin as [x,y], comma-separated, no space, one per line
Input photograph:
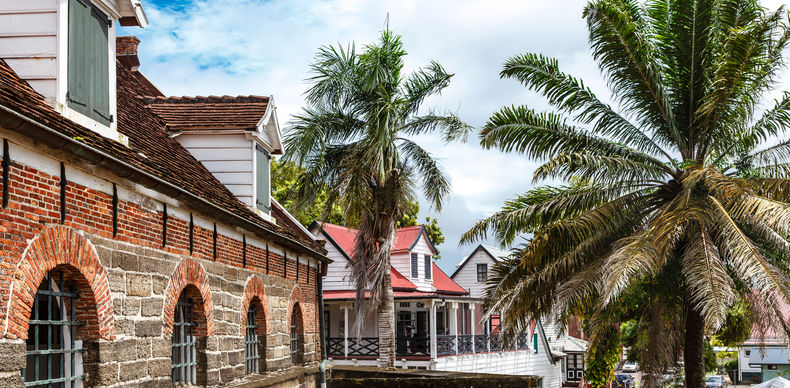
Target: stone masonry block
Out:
[138,285]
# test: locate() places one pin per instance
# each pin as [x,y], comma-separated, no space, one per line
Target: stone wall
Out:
[129,281]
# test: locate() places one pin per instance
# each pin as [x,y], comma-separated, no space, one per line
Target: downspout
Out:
[321,335]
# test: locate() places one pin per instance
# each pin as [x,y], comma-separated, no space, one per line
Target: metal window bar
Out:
[184,348]
[251,342]
[295,356]
[48,357]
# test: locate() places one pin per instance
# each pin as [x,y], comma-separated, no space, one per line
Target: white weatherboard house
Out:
[439,324]
[565,365]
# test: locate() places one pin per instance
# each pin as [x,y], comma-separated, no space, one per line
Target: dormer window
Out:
[262,180]
[88,88]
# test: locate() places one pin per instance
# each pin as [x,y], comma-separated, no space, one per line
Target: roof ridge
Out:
[251,98]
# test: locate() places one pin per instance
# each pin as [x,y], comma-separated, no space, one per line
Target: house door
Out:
[574,367]
[422,324]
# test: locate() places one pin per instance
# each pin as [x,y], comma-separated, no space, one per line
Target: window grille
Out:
[251,342]
[482,273]
[184,356]
[53,355]
[296,336]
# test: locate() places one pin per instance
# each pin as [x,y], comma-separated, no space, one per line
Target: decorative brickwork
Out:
[255,294]
[296,298]
[62,247]
[189,272]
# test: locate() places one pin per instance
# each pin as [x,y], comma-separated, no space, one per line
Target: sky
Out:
[242,47]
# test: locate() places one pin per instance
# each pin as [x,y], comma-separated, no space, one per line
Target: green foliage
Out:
[603,352]
[284,176]
[730,365]
[353,142]
[737,325]
[710,360]
[674,188]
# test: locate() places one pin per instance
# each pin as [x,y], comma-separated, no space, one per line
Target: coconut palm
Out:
[688,173]
[353,140]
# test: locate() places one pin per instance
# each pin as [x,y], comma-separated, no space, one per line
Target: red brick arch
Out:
[253,289]
[189,272]
[296,298]
[65,248]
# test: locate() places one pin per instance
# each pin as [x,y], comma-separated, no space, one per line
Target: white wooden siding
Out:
[336,278]
[29,41]
[402,262]
[228,157]
[467,276]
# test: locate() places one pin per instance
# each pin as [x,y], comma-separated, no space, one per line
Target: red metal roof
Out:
[404,238]
[351,294]
[444,284]
[344,237]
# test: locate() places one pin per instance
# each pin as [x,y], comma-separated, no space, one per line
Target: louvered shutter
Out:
[100,80]
[262,190]
[78,93]
[88,61]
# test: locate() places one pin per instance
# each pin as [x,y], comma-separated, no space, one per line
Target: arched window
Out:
[297,336]
[251,342]
[188,338]
[54,352]
[255,337]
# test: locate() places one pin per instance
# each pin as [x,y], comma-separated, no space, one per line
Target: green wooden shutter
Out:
[100,80]
[78,94]
[262,180]
[88,61]
[535,340]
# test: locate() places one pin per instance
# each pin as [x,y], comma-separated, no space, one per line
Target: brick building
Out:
[136,248]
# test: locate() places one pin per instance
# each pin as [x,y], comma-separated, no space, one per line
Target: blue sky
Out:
[203,47]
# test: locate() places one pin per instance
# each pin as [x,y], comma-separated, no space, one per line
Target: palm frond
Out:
[570,95]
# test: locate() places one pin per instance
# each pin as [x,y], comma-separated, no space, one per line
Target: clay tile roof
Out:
[209,113]
[150,149]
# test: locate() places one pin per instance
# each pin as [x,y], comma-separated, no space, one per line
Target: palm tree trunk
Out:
[385,318]
[693,349]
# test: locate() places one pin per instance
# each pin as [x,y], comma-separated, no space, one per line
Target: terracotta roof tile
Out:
[150,149]
[210,113]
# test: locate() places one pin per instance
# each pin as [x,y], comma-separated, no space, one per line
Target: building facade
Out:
[565,349]
[126,257]
[439,325]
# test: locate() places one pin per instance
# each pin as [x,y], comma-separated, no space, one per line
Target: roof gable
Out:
[343,239]
[495,254]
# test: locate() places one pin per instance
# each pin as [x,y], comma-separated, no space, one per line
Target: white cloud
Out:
[264,47]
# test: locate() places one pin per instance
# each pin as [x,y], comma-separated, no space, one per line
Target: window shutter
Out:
[427,266]
[88,64]
[535,341]
[100,80]
[414,266]
[262,190]
[77,57]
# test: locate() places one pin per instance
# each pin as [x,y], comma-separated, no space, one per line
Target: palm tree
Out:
[683,176]
[352,140]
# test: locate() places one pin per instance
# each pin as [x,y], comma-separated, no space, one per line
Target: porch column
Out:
[454,324]
[432,323]
[345,330]
[473,322]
